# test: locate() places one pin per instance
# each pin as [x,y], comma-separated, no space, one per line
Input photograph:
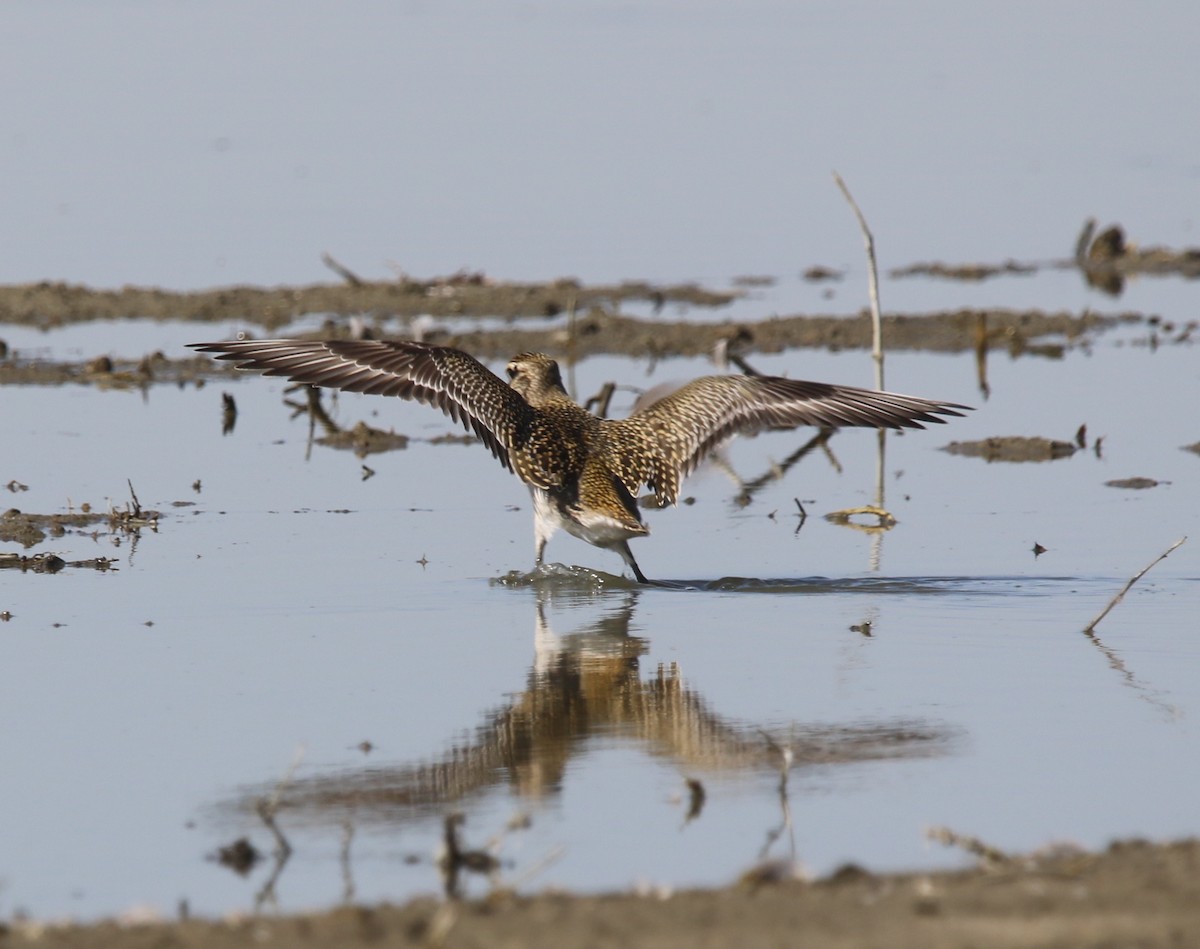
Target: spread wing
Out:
[692,421]
[447,379]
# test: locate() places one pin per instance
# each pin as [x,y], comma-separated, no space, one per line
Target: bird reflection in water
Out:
[585,686]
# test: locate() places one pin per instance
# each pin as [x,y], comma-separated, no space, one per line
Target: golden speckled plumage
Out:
[584,472]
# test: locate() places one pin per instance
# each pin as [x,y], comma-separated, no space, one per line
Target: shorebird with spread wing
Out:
[584,472]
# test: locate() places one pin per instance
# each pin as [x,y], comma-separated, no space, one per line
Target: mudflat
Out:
[1134,894]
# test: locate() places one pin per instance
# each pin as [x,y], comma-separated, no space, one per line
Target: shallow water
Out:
[932,674]
[286,603]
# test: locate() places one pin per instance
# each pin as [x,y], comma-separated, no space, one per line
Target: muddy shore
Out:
[563,318]
[1134,894]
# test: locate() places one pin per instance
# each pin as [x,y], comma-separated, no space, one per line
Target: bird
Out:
[584,472]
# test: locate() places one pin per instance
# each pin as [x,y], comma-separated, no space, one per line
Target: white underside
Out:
[595,529]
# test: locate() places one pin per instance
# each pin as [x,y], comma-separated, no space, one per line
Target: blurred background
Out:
[193,145]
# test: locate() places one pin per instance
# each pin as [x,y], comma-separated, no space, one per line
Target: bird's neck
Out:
[548,397]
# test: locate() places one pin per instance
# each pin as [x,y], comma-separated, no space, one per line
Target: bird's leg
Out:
[623,549]
[544,522]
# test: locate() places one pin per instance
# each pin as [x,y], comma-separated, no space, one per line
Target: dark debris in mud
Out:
[105,372]
[29,530]
[1104,257]
[241,856]
[1107,258]
[52,563]
[1134,484]
[1013,448]
[364,440]
[964,272]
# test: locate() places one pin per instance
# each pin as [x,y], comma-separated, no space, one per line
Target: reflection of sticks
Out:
[803,515]
[347,873]
[1091,627]
[696,799]
[877,536]
[1118,665]
[785,766]
[312,407]
[316,413]
[267,807]
[455,859]
[228,413]
[776,472]
[266,812]
[283,853]
[873,283]
[981,354]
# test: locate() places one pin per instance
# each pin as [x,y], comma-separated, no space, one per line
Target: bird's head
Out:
[536,377]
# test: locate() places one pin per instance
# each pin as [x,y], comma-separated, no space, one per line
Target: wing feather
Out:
[679,431]
[439,376]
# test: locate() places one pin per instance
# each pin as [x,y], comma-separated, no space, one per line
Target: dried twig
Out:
[137,505]
[601,399]
[873,283]
[1091,627]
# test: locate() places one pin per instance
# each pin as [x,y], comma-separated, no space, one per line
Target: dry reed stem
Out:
[1091,627]
[873,283]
